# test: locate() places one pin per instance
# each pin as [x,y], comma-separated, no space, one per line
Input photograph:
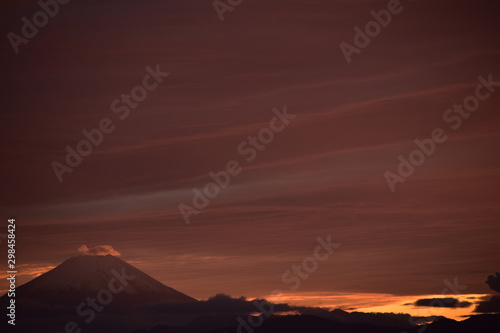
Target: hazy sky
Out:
[322,175]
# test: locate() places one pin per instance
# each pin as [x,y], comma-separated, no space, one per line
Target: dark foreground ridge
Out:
[312,324]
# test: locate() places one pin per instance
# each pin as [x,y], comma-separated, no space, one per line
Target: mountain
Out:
[488,323]
[79,277]
[306,323]
[94,292]
[313,324]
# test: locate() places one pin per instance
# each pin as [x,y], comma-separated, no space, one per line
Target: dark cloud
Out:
[492,304]
[220,304]
[442,303]
[493,281]
[489,306]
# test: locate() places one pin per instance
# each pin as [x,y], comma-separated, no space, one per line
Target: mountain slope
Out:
[99,294]
[85,276]
[80,277]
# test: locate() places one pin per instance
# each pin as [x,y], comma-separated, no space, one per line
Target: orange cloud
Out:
[98,250]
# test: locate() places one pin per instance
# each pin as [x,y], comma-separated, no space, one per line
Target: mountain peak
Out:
[85,275]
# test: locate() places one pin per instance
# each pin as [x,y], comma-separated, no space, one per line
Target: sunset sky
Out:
[323,174]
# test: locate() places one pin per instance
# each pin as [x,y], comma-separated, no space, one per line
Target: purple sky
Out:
[323,174]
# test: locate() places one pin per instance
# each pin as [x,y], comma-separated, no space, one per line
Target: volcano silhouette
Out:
[86,276]
[101,291]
